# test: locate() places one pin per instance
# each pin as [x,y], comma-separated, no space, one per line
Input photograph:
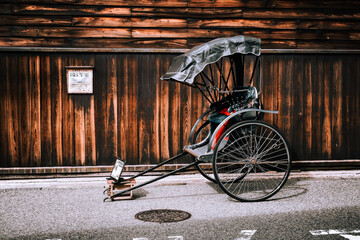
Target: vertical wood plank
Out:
[123,89]
[35,148]
[308,106]
[337,111]
[326,124]
[299,111]
[4,103]
[56,113]
[248,70]
[100,108]
[197,107]
[45,119]
[287,96]
[318,104]
[24,102]
[185,116]
[355,106]
[265,81]
[155,106]
[90,139]
[268,86]
[133,125]
[79,120]
[277,92]
[174,118]
[356,75]
[13,116]
[164,112]
[111,108]
[145,108]
[347,95]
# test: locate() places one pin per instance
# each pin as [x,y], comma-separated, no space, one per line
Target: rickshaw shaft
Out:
[157,178]
[157,166]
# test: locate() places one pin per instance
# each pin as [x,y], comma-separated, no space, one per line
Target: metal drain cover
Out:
[163,216]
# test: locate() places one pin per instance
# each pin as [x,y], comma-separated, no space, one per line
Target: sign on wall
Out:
[80,79]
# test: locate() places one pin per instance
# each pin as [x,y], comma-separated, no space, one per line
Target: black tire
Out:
[251,161]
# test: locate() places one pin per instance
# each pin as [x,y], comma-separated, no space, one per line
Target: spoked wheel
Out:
[251,161]
[206,169]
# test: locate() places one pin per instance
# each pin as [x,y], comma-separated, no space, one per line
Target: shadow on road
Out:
[290,190]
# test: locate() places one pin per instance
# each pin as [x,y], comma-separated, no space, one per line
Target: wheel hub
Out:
[252,160]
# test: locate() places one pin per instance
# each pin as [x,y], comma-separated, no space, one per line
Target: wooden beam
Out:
[169,50]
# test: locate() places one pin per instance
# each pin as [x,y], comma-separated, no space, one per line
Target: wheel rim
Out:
[251,161]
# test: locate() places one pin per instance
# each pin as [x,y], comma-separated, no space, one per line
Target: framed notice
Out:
[80,79]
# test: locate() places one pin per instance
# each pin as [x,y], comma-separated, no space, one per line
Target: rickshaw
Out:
[230,144]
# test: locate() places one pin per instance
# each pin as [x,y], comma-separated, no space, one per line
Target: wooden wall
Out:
[318,98]
[134,115]
[131,114]
[178,23]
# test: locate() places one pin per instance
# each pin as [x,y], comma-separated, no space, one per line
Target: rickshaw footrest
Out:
[120,186]
[200,152]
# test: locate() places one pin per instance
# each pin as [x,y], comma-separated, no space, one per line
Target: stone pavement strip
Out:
[175,179]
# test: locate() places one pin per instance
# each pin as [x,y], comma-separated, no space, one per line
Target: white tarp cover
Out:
[186,67]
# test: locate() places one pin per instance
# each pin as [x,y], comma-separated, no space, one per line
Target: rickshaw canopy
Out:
[184,68]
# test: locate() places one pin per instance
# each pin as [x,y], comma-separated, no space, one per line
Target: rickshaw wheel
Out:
[251,161]
[205,169]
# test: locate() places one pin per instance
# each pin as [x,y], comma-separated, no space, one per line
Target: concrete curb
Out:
[171,180]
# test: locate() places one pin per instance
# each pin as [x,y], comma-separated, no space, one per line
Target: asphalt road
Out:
[324,207]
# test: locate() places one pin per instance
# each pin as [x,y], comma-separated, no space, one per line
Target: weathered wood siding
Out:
[178,23]
[134,115]
[131,114]
[318,100]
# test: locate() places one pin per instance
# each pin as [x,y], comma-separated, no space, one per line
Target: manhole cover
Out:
[163,216]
